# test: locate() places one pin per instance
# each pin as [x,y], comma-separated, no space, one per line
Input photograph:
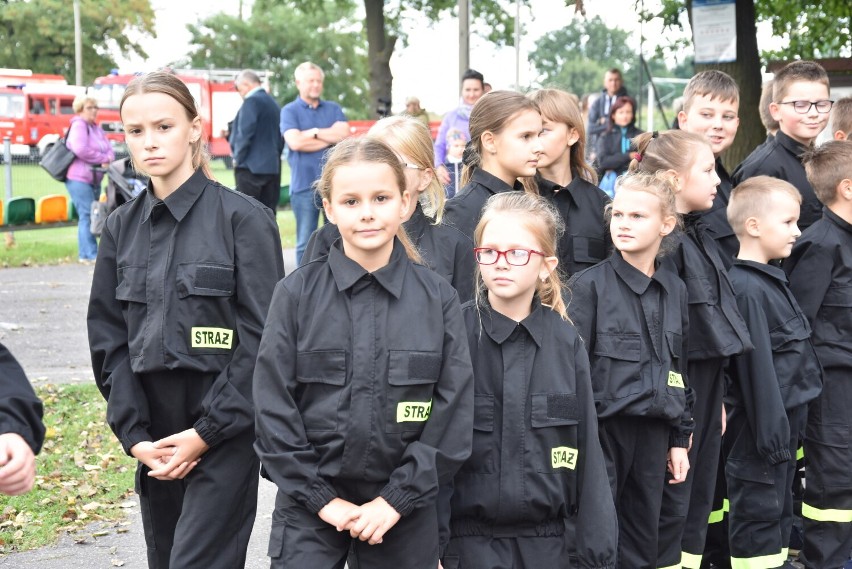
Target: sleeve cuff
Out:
[398,499]
[678,440]
[320,495]
[208,434]
[134,437]
[779,456]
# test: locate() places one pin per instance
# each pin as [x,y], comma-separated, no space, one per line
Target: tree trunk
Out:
[379,50]
[746,72]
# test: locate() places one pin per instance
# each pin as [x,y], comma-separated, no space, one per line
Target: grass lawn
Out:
[59,245]
[82,474]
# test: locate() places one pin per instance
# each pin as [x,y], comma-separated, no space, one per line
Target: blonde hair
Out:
[168,84]
[562,107]
[827,166]
[412,138]
[542,220]
[370,150]
[770,124]
[660,186]
[80,102]
[717,84]
[491,113]
[841,116]
[669,150]
[753,197]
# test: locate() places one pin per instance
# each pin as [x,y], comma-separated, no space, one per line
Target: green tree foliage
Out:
[278,36]
[574,58]
[39,34]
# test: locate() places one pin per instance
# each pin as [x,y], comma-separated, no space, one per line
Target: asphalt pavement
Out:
[43,323]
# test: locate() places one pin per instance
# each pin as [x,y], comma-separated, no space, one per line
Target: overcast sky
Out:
[428,66]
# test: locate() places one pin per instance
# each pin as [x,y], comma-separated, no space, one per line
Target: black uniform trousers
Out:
[265,188]
[716,550]
[761,496]
[827,504]
[492,552]
[205,520]
[686,506]
[635,450]
[300,539]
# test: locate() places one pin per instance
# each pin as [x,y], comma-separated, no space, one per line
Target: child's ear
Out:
[487,141]
[548,267]
[573,137]
[195,130]
[404,203]
[840,135]
[844,188]
[425,179]
[326,206]
[669,223]
[775,111]
[672,177]
[752,227]
[681,119]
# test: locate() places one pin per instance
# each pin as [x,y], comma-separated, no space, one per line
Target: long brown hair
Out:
[542,220]
[168,84]
[371,150]
[559,106]
[491,113]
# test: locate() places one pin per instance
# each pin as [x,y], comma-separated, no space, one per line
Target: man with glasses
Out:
[801,105]
[256,144]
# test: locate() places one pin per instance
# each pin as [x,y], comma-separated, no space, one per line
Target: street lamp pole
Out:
[78,45]
[464,38]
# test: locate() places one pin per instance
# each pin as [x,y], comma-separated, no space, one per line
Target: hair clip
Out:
[637,156]
[655,134]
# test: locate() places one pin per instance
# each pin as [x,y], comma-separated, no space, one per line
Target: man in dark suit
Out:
[599,111]
[256,143]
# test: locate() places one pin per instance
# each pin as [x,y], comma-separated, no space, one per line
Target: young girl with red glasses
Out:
[536,458]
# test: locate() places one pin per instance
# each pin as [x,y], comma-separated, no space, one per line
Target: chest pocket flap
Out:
[618,346]
[327,367]
[588,249]
[413,368]
[554,409]
[131,283]
[205,279]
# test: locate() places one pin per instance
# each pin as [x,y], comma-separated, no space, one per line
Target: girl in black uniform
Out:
[717,332]
[504,146]
[632,314]
[443,248]
[364,388]
[182,284]
[536,460]
[570,183]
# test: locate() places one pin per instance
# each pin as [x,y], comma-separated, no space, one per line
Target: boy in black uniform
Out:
[841,119]
[820,273]
[21,429]
[711,103]
[770,386]
[801,105]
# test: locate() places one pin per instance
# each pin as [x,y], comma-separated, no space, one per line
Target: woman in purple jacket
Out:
[90,145]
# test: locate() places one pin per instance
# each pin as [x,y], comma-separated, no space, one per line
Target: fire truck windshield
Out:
[11,105]
[107,96]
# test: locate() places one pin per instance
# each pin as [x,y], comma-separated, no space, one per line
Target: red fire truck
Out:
[35,109]
[213,90]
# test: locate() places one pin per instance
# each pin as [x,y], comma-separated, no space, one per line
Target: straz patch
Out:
[211,338]
[564,457]
[675,379]
[408,411]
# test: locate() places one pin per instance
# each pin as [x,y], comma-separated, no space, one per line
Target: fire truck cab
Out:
[35,109]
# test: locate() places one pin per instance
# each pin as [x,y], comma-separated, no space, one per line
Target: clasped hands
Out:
[368,522]
[173,457]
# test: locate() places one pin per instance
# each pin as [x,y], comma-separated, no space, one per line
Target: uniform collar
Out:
[180,201]
[837,220]
[499,328]
[347,272]
[416,224]
[769,270]
[639,281]
[492,183]
[254,91]
[792,146]
[307,105]
[552,189]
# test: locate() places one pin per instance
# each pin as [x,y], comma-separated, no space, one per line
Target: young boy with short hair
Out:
[770,386]
[711,103]
[820,274]
[841,119]
[801,106]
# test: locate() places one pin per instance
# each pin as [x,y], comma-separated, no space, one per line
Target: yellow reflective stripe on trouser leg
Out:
[717,516]
[839,516]
[690,560]
[800,453]
[762,562]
